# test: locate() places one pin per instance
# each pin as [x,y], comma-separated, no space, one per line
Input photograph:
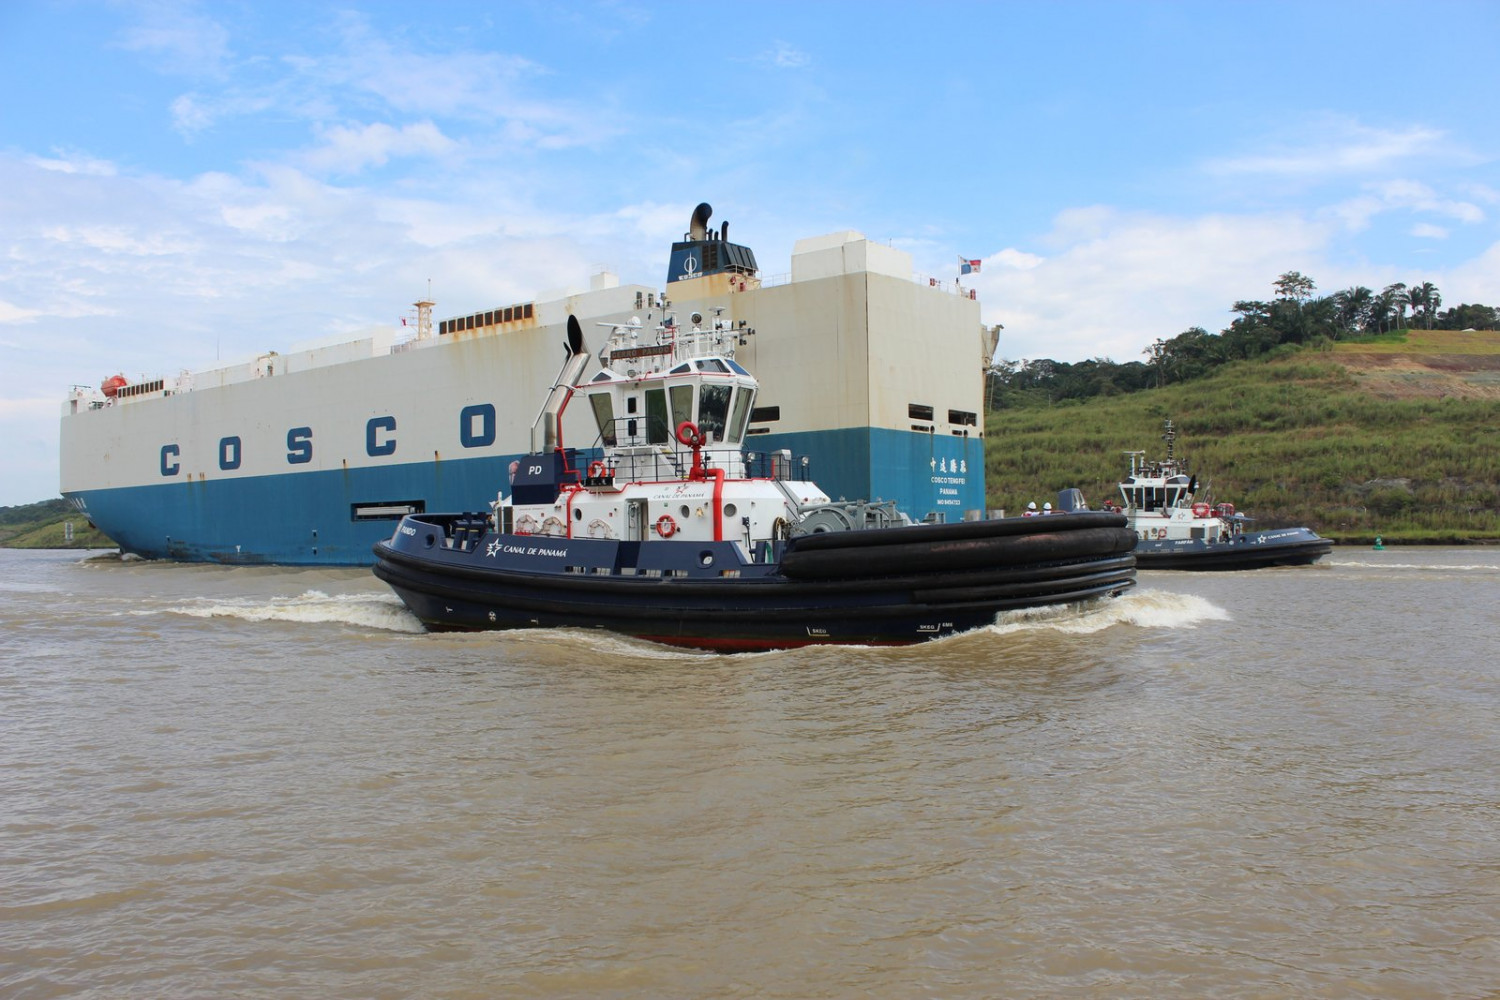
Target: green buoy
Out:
[1379,545]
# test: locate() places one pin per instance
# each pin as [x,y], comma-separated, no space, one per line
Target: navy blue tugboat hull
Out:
[702,595]
[1255,550]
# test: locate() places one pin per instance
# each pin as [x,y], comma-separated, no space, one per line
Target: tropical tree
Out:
[1352,308]
[1470,317]
[1294,285]
[1397,299]
[1424,299]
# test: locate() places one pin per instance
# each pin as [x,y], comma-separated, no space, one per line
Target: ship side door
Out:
[637,513]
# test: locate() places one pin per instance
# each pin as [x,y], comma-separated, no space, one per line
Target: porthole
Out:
[730,510]
[705,558]
[686,511]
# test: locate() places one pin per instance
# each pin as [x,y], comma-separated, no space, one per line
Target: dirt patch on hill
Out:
[1425,376]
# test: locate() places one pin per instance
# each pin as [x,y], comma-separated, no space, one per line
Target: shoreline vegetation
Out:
[44,525]
[1389,435]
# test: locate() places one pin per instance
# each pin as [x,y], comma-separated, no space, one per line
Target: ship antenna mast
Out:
[1170,436]
[424,314]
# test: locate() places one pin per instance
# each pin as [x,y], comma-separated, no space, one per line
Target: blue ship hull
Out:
[1252,550]
[309,518]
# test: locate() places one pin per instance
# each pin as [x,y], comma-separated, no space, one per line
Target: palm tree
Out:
[1354,306]
[1426,298]
[1398,299]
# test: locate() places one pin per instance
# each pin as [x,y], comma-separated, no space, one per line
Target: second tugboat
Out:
[668,531]
[1176,531]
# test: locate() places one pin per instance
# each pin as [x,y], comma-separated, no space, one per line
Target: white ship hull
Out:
[312,457]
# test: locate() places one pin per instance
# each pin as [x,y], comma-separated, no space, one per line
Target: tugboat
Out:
[1177,531]
[666,530]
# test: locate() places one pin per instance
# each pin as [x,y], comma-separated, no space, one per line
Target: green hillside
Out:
[44,526]
[1322,438]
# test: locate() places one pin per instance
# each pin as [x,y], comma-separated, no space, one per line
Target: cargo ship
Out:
[871,381]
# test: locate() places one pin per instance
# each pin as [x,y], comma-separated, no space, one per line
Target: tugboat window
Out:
[742,403]
[713,410]
[682,404]
[604,416]
[657,431]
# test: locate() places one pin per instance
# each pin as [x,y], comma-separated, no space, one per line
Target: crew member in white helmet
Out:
[1046,508]
[1030,510]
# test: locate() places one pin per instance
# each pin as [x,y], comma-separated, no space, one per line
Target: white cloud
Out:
[1337,148]
[10,313]
[30,407]
[784,55]
[1424,230]
[179,41]
[117,239]
[1355,213]
[1475,280]
[348,150]
[190,116]
[1118,281]
[74,163]
[1481,192]
[1419,197]
[483,90]
[194,113]
[1015,260]
[1405,195]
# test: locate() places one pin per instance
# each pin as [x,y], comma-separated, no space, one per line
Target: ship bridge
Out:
[644,393]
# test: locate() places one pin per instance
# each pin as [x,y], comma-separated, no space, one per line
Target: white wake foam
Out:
[382,611]
[1418,567]
[1142,608]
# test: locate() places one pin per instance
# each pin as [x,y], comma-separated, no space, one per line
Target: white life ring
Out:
[1201,509]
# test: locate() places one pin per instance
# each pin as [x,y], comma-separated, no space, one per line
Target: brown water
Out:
[264,783]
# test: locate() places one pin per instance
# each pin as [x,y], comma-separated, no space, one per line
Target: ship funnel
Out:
[549,420]
[704,252]
[698,229]
[575,336]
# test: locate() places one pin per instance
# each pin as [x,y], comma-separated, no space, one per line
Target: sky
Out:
[185,182]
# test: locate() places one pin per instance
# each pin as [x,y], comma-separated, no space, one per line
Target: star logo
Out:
[493,548]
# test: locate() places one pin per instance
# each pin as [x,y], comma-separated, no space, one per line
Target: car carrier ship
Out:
[871,381]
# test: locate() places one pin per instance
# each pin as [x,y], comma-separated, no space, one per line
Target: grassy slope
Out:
[1292,441]
[41,526]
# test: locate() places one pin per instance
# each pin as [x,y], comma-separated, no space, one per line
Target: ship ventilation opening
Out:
[386,510]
